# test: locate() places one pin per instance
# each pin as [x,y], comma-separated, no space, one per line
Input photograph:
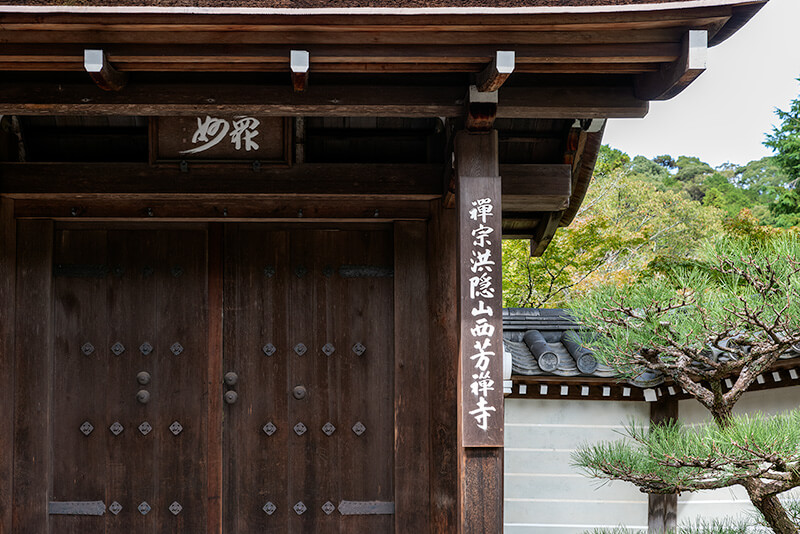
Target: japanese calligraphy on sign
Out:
[481,315]
[214,137]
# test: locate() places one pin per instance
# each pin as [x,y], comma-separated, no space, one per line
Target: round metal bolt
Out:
[299,392]
[231,397]
[143,396]
[143,378]
[231,378]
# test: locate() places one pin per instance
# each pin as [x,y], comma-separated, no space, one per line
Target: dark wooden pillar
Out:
[662,510]
[480,386]
[32,378]
[412,442]
[443,367]
[8,250]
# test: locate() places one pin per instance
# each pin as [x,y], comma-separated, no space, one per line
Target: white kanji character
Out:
[481,261]
[483,356]
[482,328]
[483,208]
[245,126]
[482,309]
[481,234]
[481,286]
[481,413]
[482,384]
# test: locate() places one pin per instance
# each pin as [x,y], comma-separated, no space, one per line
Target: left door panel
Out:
[129,399]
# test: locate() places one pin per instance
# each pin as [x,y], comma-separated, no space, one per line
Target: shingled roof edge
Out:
[453,10]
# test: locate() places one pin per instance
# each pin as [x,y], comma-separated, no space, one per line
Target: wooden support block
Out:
[497,72]
[299,62]
[673,78]
[102,72]
[481,110]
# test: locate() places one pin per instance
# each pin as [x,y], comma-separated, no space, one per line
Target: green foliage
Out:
[785,140]
[674,458]
[734,288]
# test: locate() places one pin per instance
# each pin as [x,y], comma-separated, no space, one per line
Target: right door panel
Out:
[308,330]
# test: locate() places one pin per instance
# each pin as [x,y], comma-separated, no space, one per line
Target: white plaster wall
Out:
[544,494]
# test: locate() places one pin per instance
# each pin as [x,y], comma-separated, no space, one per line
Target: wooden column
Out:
[662,510]
[8,250]
[480,386]
[445,467]
[32,378]
[411,383]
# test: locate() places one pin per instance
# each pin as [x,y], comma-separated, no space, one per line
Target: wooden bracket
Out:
[497,72]
[299,62]
[102,72]
[481,110]
[675,77]
[544,232]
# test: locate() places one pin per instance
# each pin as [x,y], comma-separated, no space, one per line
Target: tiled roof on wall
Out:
[544,343]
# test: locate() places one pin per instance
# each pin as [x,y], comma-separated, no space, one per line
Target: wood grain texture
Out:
[444,371]
[662,510]
[477,179]
[355,181]
[412,353]
[8,268]
[564,102]
[32,382]
[215,248]
[482,489]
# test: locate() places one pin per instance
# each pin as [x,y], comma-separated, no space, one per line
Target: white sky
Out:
[724,115]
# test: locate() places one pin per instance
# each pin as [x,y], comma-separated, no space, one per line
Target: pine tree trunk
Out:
[774,513]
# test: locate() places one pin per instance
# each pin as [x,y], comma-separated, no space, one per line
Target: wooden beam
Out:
[533,188]
[299,64]
[676,76]
[481,110]
[560,102]
[497,72]
[662,510]
[102,72]
[134,180]
[215,209]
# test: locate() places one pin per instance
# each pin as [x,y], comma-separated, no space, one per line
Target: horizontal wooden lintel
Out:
[551,102]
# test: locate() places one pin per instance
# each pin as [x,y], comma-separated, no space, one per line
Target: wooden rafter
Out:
[497,72]
[102,72]
[676,76]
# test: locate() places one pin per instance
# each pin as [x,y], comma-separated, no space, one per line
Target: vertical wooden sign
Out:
[480,233]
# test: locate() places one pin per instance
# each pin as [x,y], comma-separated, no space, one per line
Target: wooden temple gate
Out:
[255,287]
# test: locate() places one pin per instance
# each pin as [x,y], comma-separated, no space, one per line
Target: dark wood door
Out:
[308,441]
[129,414]
[309,332]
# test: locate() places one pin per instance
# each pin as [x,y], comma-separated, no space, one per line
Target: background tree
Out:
[785,141]
[728,316]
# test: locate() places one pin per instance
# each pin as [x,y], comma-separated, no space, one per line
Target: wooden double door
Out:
[234,378]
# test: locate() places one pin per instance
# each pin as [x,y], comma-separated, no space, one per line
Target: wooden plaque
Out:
[481,308]
[220,138]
